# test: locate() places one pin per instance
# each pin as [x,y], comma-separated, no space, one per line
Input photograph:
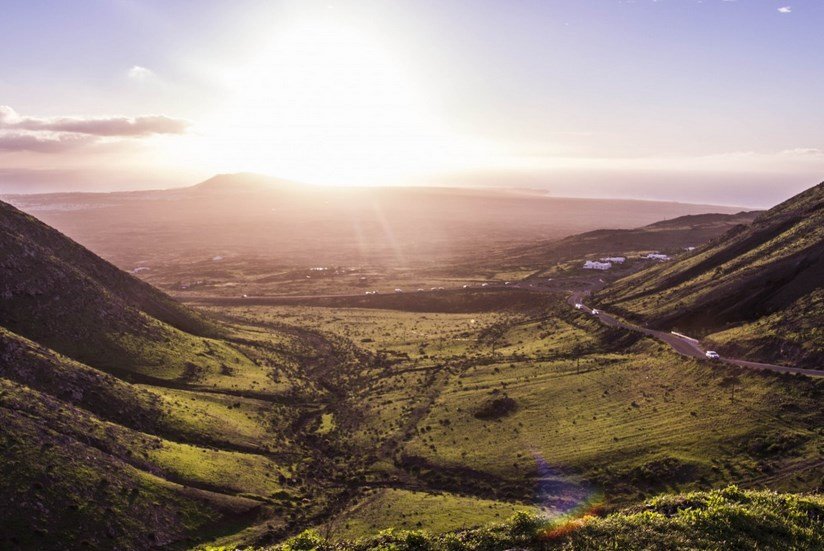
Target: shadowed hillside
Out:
[759,284]
[92,460]
[31,248]
[60,294]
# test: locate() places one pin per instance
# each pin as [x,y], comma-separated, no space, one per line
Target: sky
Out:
[713,101]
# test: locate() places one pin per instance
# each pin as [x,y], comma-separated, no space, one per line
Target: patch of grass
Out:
[219,417]
[223,470]
[386,508]
[627,422]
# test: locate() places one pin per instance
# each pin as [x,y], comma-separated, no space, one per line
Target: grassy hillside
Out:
[33,249]
[68,482]
[112,420]
[393,508]
[61,295]
[725,519]
[81,446]
[793,335]
[769,271]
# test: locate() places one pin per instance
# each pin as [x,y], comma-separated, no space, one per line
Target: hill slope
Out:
[69,483]
[91,459]
[668,235]
[29,246]
[59,294]
[770,271]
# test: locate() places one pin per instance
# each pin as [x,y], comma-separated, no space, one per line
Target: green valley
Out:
[421,420]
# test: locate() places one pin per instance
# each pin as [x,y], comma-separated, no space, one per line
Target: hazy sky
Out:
[706,101]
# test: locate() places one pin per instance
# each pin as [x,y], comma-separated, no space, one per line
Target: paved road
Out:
[683,344]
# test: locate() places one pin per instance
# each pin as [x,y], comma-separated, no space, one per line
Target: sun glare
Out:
[326,103]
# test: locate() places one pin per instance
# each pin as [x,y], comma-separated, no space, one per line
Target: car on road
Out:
[578,305]
[712,355]
[596,312]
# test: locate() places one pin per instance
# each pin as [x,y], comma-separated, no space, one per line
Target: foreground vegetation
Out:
[722,519]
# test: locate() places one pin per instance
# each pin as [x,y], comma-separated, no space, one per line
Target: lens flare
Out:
[566,504]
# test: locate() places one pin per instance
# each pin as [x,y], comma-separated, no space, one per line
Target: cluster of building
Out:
[604,263]
[657,256]
[596,265]
[607,262]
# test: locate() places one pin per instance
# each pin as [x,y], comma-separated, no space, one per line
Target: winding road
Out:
[683,344]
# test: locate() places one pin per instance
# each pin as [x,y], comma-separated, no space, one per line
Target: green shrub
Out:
[308,540]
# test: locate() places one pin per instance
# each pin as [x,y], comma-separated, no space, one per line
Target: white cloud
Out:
[58,134]
[802,152]
[785,9]
[140,74]
[95,126]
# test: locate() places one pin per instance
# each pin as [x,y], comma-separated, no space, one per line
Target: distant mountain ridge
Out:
[242,182]
[743,286]
[667,235]
[282,223]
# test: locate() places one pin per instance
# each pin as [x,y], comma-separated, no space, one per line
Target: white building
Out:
[614,259]
[657,256]
[594,265]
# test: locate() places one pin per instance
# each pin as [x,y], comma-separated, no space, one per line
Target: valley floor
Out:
[457,419]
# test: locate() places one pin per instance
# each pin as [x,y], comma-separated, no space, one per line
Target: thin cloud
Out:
[785,9]
[42,144]
[94,126]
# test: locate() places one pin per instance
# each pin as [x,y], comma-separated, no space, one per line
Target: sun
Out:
[326,103]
